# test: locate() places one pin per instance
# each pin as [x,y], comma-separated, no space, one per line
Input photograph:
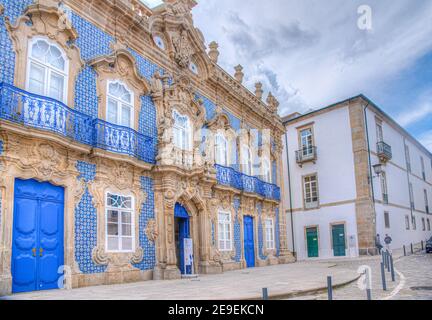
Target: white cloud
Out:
[414,115]
[426,140]
[310,53]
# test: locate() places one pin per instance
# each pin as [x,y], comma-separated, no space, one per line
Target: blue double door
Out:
[249,242]
[37,248]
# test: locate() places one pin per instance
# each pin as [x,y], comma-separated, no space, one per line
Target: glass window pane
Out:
[39,50]
[113,244]
[126,116]
[126,217]
[55,58]
[113,216]
[126,244]
[113,229]
[112,111]
[37,79]
[126,230]
[56,86]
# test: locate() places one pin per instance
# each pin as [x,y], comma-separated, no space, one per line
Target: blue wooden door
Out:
[37,248]
[184,232]
[249,243]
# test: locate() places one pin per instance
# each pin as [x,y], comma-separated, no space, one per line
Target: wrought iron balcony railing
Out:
[47,114]
[230,177]
[306,154]
[384,151]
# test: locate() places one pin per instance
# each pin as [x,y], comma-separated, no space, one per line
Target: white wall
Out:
[336,180]
[397,184]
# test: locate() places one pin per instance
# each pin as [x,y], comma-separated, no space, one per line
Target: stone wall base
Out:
[368,251]
[5,286]
[109,278]
[230,266]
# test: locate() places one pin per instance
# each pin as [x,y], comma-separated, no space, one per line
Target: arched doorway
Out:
[183,240]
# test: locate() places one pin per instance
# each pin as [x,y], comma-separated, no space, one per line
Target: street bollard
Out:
[329,288]
[368,284]
[422,245]
[265,294]
[412,249]
[388,261]
[404,250]
[392,268]
[383,277]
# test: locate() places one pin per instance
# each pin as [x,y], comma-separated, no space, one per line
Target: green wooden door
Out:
[312,242]
[338,235]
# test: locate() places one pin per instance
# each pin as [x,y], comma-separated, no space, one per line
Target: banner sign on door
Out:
[188,253]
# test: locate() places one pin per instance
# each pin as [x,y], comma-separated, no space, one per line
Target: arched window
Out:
[182,131]
[246,160]
[194,67]
[221,150]
[47,70]
[119,104]
[266,171]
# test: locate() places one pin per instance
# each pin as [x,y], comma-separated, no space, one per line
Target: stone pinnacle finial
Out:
[214,52]
[239,75]
[258,90]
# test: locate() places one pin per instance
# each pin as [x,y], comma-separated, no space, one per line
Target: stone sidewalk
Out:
[282,281]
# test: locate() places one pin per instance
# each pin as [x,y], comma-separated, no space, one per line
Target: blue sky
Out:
[311,53]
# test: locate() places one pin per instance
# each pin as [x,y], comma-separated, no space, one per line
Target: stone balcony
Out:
[230,177]
[384,151]
[308,154]
[43,113]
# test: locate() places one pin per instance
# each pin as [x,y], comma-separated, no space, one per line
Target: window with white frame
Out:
[424,224]
[414,223]
[224,231]
[423,168]
[408,158]
[306,140]
[387,220]
[379,129]
[119,104]
[47,70]
[221,150]
[384,187]
[426,201]
[411,194]
[311,191]
[269,234]
[120,232]
[266,168]
[246,160]
[407,222]
[428,225]
[182,131]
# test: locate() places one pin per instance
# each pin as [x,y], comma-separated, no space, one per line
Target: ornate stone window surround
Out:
[266,242]
[119,67]
[120,222]
[46,66]
[184,129]
[53,25]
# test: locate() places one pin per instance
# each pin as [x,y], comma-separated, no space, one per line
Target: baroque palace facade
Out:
[126,152]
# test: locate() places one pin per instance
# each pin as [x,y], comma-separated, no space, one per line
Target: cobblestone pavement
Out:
[411,272]
[241,284]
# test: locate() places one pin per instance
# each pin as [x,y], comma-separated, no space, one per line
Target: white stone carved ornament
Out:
[183,50]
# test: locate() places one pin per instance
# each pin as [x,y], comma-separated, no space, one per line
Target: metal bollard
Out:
[388,261]
[392,269]
[265,294]
[422,245]
[412,249]
[404,250]
[329,288]
[383,277]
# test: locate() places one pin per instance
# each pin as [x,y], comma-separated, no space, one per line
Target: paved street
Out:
[413,278]
[411,272]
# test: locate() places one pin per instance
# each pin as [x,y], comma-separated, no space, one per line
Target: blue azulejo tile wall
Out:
[147,215]
[1,147]
[12,10]
[86,223]
[260,233]
[237,230]
[86,100]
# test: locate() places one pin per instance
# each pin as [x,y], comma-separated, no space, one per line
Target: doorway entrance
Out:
[312,242]
[37,244]
[249,243]
[182,235]
[338,235]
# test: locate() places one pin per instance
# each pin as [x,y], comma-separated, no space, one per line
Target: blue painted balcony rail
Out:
[48,114]
[230,177]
